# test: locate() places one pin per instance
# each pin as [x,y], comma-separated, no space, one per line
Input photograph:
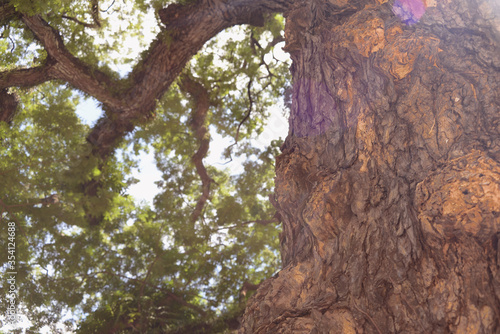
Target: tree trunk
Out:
[388,186]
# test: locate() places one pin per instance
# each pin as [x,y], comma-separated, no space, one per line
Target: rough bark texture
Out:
[388,186]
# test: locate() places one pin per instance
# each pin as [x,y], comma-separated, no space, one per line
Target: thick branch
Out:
[7,13]
[202,102]
[70,69]
[8,106]
[26,77]
[89,80]
[188,28]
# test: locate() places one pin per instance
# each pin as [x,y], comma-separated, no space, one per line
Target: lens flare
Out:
[409,11]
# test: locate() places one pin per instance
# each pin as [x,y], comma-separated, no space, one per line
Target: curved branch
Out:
[249,111]
[132,101]
[202,102]
[94,25]
[247,116]
[188,28]
[109,7]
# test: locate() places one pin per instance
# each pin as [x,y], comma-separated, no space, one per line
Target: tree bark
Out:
[388,185]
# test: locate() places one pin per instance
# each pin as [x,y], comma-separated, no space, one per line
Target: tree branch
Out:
[94,11]
[202,102]
[132,101]
[188,28]
[247,115]
[26,77]
[71,69]
[86,25]
[8,106]
[7,13]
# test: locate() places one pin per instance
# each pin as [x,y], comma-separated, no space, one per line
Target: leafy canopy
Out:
[140,268]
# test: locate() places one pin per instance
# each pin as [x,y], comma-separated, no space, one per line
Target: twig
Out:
[250,106]
[94,12]
[13,44]
[104,11]
[258,221]
[86,25]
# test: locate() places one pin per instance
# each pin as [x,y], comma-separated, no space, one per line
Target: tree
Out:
[82,245]
[388,183]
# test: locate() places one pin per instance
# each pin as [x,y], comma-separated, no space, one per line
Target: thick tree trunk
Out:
[388,186]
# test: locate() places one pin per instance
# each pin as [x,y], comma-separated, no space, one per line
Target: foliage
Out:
[142,269]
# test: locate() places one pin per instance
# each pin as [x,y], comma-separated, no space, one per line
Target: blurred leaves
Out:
[144,269]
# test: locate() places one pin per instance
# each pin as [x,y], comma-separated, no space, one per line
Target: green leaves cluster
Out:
[144,269]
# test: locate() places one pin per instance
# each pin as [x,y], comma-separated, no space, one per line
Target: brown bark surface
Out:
[388,186]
